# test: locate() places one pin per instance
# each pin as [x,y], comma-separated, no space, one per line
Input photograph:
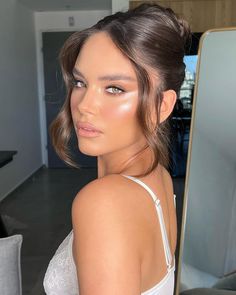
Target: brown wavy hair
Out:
[152,37]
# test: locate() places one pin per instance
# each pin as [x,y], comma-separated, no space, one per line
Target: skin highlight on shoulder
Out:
[104,196]
[107,184]
[105,238]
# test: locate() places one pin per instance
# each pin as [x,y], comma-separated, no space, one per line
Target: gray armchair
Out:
[224,286]
[10,265]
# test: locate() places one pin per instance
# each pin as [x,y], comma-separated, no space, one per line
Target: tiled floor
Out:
[40,210]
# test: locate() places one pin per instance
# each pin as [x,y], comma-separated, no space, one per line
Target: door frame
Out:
[56,21]
[41,94]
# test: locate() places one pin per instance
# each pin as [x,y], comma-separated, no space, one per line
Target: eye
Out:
[114,90]
[78,83]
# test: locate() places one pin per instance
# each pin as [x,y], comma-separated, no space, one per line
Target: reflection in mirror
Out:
[207,263]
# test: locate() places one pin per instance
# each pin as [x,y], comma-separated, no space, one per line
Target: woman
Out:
[123,76]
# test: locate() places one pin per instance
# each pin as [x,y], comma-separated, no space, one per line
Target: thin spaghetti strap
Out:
[154,197]
[168,255]
[175,200]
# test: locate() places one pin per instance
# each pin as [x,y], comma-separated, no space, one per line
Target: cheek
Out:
[119,113]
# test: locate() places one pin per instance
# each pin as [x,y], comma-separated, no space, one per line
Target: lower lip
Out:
[88,133]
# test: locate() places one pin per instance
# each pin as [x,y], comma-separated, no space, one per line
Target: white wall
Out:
[57,21]
[19,115]
[119,5]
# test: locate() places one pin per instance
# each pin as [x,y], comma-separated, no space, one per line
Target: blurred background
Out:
[36,187]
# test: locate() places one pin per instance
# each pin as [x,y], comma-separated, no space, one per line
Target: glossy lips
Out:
[87,130]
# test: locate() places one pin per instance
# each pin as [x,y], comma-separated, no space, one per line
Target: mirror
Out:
[208,235]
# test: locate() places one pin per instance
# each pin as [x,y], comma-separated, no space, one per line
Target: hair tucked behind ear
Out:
[154,39]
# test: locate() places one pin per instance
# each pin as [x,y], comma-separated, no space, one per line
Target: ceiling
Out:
[59,5]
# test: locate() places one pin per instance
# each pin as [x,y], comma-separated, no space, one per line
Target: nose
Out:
[88,102]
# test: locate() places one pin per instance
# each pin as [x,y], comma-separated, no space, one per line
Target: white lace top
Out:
[61,275]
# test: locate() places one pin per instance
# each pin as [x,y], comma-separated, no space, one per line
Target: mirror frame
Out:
[186,185]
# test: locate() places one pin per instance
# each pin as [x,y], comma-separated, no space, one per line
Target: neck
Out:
[126,163]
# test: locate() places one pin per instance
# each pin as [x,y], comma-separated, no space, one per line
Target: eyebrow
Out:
[113,77]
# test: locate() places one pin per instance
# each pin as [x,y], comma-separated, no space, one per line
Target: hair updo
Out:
[151,37]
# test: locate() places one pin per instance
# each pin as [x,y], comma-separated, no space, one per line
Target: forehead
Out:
[99,54]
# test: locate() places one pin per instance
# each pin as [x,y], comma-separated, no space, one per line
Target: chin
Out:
[86,150]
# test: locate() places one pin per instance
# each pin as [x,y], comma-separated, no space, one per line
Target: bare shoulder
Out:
[102,184]
[105,238]
[107,198]
[104,189]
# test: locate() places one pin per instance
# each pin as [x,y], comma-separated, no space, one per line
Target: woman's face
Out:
[105,98]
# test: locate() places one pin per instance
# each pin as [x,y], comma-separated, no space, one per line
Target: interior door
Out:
[55,93]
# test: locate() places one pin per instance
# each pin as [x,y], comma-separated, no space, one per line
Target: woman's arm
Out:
[106,247]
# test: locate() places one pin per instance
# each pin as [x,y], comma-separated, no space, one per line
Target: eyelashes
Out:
[77,83]
[110,89]
[114,90]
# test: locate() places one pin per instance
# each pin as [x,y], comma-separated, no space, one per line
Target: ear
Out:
[167,105]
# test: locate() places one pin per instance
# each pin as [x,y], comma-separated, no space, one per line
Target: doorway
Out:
[55,93]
